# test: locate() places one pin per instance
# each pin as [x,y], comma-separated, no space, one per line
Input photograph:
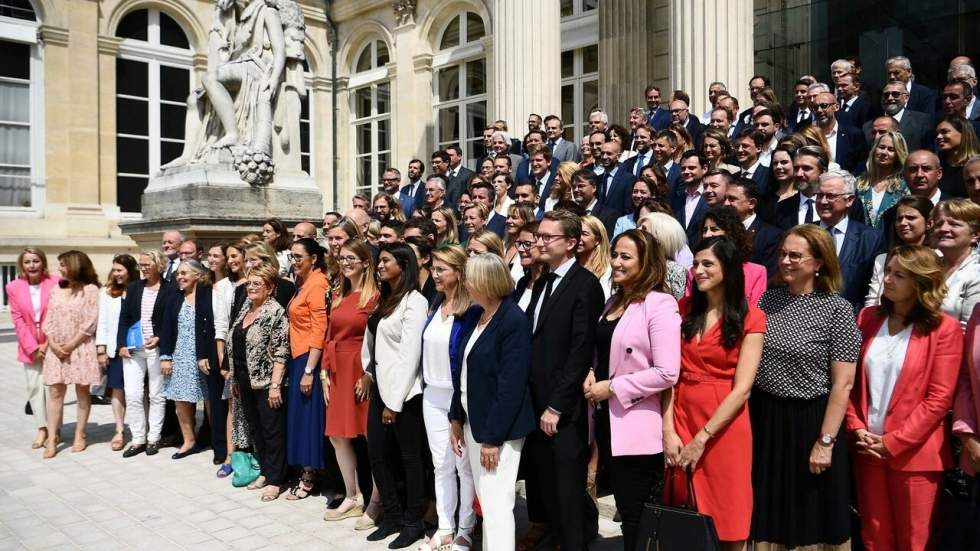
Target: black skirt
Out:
[792,506]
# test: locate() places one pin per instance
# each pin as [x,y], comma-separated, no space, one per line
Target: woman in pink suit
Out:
[28,298]
[724,221]
[637,357]
[904,385]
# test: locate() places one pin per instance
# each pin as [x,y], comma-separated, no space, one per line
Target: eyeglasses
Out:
[524,245]
[893,94]
[793,256]
[820,196]
[296,257]
[255,284]
[348,259]
[824,106]
[548,238]
[681,110]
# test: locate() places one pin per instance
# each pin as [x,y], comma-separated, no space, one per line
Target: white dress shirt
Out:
[436,369]
[898,116]
[748,221]
[642,160]
[832,139]
[560,272]
[882,365]
[750,172]
[691,200]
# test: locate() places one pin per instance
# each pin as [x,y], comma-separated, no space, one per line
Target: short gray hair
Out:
[850,182]
[439,180]
[971,160]
[840,62]
[969,70]
[719,83]
[602,116]
[817,86]
[502,134]
[393,170]
[899,60]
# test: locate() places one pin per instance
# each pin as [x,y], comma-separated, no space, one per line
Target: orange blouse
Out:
[308,315]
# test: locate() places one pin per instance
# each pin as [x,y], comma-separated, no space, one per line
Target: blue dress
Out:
[186,383]
[305,419]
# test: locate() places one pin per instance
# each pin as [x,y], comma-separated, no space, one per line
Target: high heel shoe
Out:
[42,437]
[118,441]
[50,448]
[80,443]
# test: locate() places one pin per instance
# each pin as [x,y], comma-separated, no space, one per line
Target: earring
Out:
[818,273]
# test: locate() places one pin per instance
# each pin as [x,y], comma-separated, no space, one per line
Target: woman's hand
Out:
[672,448]
[235,392]
[456,440]
[589,381]
[325,383]
[275,398]
[166,368]
[151,343]
[123,352]
[971,447]
[204,365]
[362,388]
[306,384]
[103,359]
[388,417]
[63,354]
[599,392]
[489,457]
[820,457]
[691,453]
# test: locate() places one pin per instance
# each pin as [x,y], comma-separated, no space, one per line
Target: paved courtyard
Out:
[98,500]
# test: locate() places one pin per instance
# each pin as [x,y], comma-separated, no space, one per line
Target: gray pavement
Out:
[98,500]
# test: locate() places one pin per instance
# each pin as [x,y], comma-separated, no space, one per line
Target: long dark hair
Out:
[284,241]
[132,274]
[728,221]
[735,307]
[408,282]
[314,249]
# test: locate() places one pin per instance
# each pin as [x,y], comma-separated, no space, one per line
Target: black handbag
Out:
[668,528]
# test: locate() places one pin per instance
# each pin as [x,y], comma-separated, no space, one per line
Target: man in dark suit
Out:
[528,193]
[799,112]
[658,118]
[680,115]
[916,128]
[687,200]
[809,163]
[748,146]
[642,140]
[847,143]
[744,120]
[664,146]
[616,183]
[482,192]
[966,72]
[584,193]
[921,98]
[743,196]
[922,173]
[854,110]
[565,304]
[500,142]
[561,149]
[956,100]
[856,244]
[458,175]
[544,168]
[412,194]
[533,139]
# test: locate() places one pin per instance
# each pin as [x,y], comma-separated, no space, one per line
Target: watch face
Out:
[826,439]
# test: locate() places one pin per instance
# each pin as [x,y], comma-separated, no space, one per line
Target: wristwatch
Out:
[308,370]
[827,440]
[274,386]
[611,389]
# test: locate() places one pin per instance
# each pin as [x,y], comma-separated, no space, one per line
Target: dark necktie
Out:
[548,287]
[170,266]
[809,211]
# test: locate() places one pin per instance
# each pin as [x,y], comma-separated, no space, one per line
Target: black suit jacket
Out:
[852,148]
[693,229]
[456,187]
[765,242]
[129,312]
[563,343]
[791,123]
[917,129]
[859,112]
[922,99]
[857,257]
[205,347]
[608,217]
[786,212]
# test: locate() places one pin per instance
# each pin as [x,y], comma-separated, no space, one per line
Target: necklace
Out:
[484,319]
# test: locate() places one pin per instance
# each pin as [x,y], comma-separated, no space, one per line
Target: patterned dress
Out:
[186,383]
[69,313]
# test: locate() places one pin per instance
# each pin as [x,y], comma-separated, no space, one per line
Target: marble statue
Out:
[247,110]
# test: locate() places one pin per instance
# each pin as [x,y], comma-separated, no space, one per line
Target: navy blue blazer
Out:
[131,304]
[498,368]
[409,202]
[674,175]
[695,127]
[922,99]
[498,225]
[744,121]
[860,112]
[765,243]
[857,258]
[852,148]
[659,119]
[694,228]
[618,191]
[630,164]
[546,192]
[791,123]
[786,212]
[205,346]
[761,179]
[524,171]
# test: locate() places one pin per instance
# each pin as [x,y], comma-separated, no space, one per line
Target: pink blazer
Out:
[915,422]
[22,314]
[755,281]
[966,404]
[644,360]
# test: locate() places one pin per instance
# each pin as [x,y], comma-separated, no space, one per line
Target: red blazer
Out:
[22,314]
[915,431]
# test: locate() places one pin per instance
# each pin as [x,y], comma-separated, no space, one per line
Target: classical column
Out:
[526,61]
[711,40]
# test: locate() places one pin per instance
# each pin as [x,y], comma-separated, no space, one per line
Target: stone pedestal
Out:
[211,203]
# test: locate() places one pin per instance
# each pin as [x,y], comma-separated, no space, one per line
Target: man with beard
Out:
[847,144]
[916,127]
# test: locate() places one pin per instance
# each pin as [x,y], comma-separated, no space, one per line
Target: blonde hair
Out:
[963,210]
[598,262]
[488,274]
[36,252]
[814,136]
[157,257]
[894,178]
[489,240]
[561,189]
[667,231]
[481,210]
[369,285]
[455,257]
[266,273]
[452,233]
[265,253]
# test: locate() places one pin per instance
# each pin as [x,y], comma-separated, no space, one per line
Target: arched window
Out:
[461,86]
[21,107]
[153,79]
[370,93]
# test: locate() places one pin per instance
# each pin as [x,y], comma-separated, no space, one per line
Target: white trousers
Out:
[142,365]
[36,393]
[496,490]
[435,413]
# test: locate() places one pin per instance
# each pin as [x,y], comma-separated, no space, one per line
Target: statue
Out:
[249,103]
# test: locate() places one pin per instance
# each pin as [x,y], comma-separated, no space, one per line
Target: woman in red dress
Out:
[341,371]
[706,421]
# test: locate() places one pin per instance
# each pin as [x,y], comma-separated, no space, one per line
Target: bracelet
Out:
[708,432]
[323,376]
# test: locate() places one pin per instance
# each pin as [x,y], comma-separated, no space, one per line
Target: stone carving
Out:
[404,11]
[246,113]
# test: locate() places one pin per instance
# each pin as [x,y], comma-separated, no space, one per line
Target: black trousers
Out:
[267,427]
[558,481]
[218,414]
[406,438]
[635,479]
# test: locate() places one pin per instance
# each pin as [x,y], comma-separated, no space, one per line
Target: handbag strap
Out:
[691,502]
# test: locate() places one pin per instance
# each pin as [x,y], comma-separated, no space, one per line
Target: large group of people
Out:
[774,309]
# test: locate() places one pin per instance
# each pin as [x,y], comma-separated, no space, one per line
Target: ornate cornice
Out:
[404,12]
[422,62]
[52,36]
[109,45]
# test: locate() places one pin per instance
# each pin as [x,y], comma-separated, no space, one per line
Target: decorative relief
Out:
[404,11]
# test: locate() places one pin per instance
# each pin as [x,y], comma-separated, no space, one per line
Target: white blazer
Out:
[108,326]
[396,350]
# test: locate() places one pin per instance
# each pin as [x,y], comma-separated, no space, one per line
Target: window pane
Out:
[175,83]
[132,116]
[382,53]
[384,160]
[364,60]
[590,5]
[171,34]
[131,78]
[132,156]
[170,151]
[590,59]
[134,25]
[568,64]
[384,142]
[18,9]
[474,27]
[450,37]
[172,121]
[15,60]
[129,191]
[15,187]
[476,72]
[566,8]
[364,171]
[568,109]
[363,132]
[362,102]
[474,151]
[15,102]
[304,137]
[449,83]
[15,144]
[384,92]
[305,160]
[476,119]
[449,124]
[304,107]
[590,98]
